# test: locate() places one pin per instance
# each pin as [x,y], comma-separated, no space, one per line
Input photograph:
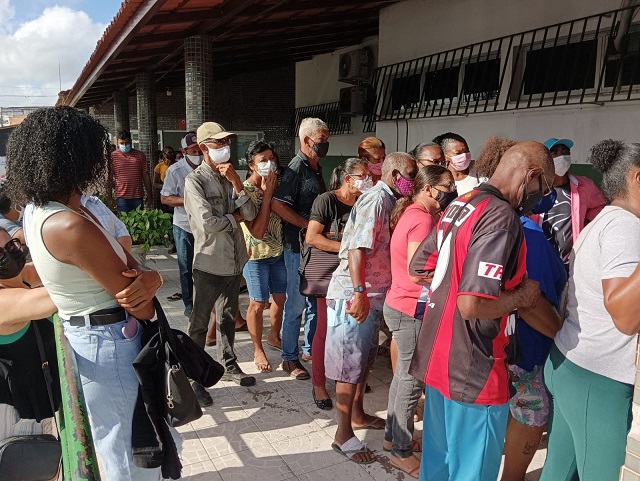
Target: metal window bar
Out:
[330,112]
[553,65]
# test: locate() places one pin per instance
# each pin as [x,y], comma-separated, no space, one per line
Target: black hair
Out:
[417,150]
[5,201]
[123,135]
[345,168]
[54,153]
[614,159]
[429,175]
[257,147]
[446,139]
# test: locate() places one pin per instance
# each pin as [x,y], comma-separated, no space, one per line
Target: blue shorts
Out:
[350,348]
[265,277]
[461,441]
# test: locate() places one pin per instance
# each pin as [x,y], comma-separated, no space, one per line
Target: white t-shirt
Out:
[468,183]
[607,248]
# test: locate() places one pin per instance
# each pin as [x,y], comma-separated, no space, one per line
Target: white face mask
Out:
[562,164]
[363,185]
[219,156]
[195,159]
[264,168]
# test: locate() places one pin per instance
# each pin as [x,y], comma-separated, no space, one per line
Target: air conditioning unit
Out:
[353,100]
[356,66]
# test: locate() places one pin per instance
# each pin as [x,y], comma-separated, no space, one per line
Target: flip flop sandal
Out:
[263,366]
[414,473]
[373,424]
[274,346]
[352,447]
[175,297]
[242,328]
[414,443]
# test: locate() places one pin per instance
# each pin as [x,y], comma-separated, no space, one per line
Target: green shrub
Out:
[148,227]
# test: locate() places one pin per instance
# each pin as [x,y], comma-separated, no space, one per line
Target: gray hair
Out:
[310,127]
[395,161]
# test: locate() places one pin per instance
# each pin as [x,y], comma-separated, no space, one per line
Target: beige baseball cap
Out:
[212,130]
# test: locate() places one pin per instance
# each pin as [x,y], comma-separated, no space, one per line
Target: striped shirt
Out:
[127,173]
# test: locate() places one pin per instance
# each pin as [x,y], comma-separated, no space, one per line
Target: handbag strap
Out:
[46,371]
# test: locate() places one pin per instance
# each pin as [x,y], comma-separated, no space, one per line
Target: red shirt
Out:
[404,295]
[483,255]
[127,173]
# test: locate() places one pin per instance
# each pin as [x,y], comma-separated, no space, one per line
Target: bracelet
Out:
[161,279]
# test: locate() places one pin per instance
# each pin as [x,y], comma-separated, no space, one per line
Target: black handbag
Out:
[182,403]
[32,457]
[317,266]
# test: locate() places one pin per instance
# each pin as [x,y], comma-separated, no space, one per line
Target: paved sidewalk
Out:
[273,431]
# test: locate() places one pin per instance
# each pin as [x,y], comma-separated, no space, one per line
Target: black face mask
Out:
[12,259]
[529,201]
[320,148]
[445,198]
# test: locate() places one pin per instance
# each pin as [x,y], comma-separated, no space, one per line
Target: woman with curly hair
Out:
[590,371]
[52,158]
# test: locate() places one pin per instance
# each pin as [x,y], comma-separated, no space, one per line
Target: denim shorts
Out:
[265,277]
[350,348]
[530,404]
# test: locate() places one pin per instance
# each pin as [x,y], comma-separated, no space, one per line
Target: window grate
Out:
[330,113]
[593,59]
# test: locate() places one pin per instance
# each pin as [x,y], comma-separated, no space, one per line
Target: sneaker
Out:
[236,375]
[295,369]
[203,396]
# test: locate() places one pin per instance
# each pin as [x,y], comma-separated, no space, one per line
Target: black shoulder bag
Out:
[32,457]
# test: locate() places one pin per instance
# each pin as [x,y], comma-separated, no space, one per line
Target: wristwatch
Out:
[359,289]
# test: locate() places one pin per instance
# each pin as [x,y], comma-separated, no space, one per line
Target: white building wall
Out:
[415,28]
[317,83]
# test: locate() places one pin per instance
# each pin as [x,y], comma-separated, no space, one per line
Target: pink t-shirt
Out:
[404,295]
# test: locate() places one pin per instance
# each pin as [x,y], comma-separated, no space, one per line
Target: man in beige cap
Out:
[216,203]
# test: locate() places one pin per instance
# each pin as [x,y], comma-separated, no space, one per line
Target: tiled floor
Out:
[273,431]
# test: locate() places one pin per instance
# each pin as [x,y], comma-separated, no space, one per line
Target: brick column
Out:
[198,77]
[121,110]
[147,119]
[631,469]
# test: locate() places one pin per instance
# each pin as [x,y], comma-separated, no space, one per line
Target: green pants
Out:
[590,420]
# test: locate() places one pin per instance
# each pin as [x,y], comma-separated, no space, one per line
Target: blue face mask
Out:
[125,148]
[546,203]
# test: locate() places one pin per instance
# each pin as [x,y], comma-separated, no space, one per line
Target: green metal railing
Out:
[79,462]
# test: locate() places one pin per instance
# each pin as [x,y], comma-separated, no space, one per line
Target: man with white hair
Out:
[301,183]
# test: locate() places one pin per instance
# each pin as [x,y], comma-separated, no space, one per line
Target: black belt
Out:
[100,318]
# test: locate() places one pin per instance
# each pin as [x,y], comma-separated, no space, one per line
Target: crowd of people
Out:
[507,286]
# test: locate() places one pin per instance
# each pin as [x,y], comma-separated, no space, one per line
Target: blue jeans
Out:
[105,363]
[310,322]
[293,307]
[127,205]
[184,249]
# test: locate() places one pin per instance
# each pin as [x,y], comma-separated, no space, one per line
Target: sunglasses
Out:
[11,247]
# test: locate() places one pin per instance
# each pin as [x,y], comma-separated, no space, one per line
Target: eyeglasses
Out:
[13,245]
[451,186]
[431,162]
[363,176]
[549,188]
[218,142]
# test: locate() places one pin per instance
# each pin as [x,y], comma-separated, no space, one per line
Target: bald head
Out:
[519,166]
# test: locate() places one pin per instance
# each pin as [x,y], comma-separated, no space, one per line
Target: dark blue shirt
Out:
[545,266]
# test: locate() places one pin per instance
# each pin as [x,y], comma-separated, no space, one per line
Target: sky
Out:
[37,36]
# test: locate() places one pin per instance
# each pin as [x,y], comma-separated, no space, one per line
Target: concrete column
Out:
[198,73]
[121,110]
[147,119]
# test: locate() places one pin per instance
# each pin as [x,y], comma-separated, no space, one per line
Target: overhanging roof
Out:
[247,35]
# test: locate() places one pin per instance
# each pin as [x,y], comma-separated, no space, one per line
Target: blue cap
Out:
[549,144]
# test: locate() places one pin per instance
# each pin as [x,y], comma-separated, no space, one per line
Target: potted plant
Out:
[147,228]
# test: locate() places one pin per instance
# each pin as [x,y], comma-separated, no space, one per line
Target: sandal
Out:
[263,366]
[374,423]
[352,447]
[175,297]
[414,473]
[325,404]
[416,446]
[274,346]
